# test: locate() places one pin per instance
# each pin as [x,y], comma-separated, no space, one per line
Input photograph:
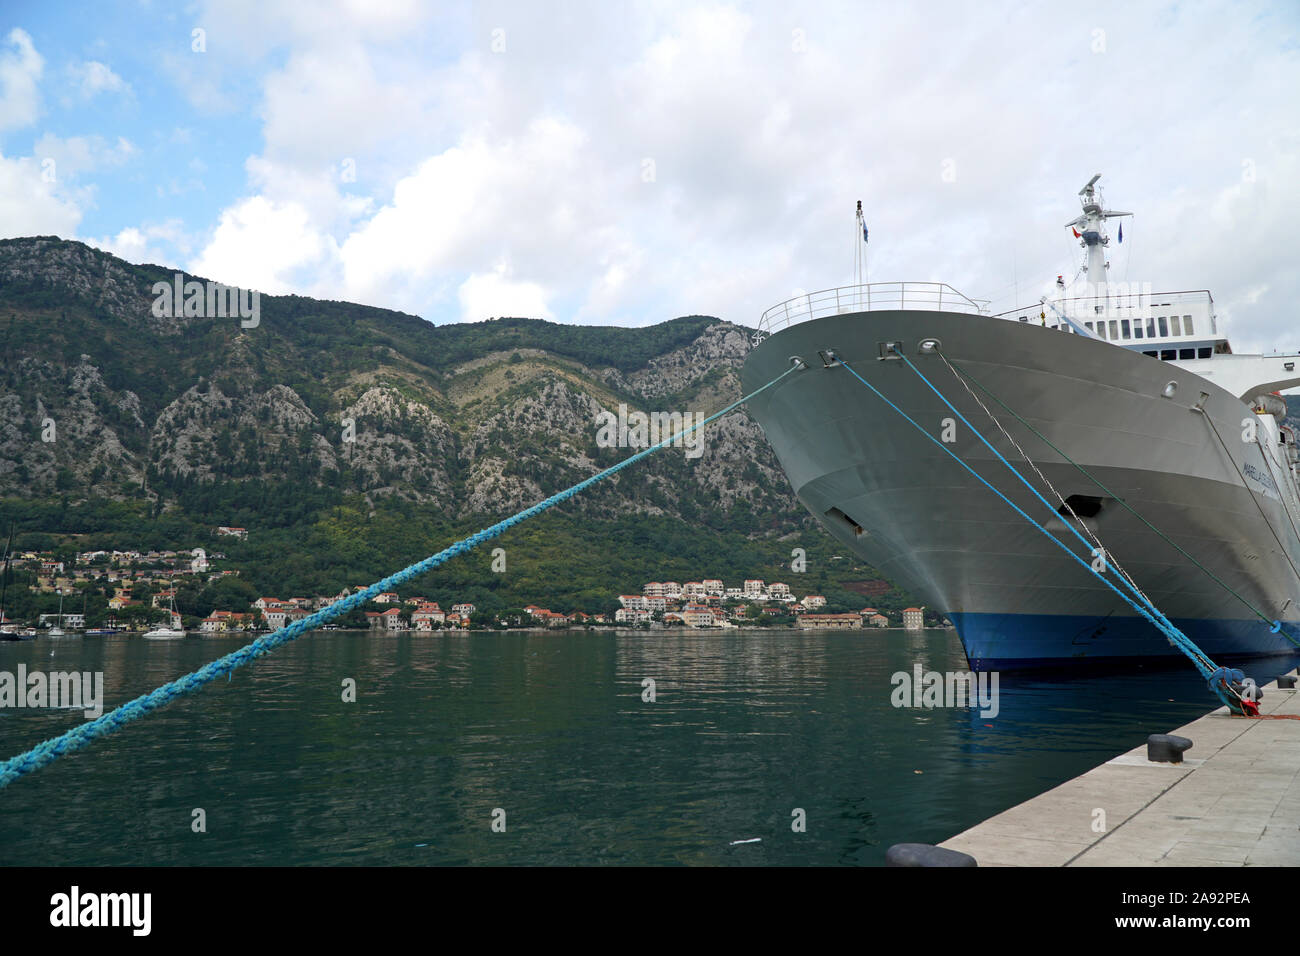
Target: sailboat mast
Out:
[4,574]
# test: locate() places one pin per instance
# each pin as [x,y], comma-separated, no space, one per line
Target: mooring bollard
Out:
[923,854]
[1286,682]
[1167,748]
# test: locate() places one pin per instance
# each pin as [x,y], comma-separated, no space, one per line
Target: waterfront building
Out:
[698,615]
[829,621]
[426,615]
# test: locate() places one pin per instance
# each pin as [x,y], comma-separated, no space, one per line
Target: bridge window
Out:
[1164,326]
[1187,353]
[1187,325]
[1204,352]
[1173,325]
[1153,353]
[1114,330]
[1137,328]
[1151,328]
[1124,327]
[1088,325]
[1168,355]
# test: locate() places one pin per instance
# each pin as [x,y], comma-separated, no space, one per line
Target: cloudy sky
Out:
[611,163]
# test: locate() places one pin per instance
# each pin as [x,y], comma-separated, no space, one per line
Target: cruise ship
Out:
[1147,437]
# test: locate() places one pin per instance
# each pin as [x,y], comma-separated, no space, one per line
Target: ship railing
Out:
[1116,298]
[1118,302]
[929,296]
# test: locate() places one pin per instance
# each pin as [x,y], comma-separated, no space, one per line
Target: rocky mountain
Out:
[102,398]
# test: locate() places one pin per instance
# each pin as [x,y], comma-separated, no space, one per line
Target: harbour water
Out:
[554,729]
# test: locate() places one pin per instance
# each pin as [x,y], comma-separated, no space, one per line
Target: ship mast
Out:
[1089,227]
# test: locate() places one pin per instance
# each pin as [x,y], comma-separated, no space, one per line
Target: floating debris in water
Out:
[754,840]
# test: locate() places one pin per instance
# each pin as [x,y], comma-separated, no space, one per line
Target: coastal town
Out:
[134,590]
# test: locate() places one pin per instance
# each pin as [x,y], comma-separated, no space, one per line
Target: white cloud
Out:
[20,71]
[635,163]
[264,245]
[151,243]
[80,154]
[92,78]
[468,206]
[29,203]
[495,294]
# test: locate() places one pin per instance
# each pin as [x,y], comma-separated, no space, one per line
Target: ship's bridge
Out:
[1173,326]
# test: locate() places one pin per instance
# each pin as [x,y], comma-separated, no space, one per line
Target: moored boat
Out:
[1126,409]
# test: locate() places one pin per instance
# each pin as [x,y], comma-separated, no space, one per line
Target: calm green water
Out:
[553,729]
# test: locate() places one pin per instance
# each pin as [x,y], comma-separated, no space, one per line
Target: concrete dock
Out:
[1233,801]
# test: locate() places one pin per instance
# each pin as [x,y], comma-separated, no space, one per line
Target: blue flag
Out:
[1121,232]
[864,232]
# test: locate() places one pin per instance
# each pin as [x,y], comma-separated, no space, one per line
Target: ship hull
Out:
[929,526]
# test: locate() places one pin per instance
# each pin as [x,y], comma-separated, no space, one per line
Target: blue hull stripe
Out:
[1009,641]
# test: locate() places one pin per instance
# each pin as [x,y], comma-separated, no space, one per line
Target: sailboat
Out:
[57,630]
[167,631]
[8,633]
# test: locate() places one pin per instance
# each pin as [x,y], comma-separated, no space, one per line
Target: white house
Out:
[697,615]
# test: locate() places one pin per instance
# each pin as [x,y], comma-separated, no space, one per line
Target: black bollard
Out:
[1167,748]
[923,854]
[1286,682]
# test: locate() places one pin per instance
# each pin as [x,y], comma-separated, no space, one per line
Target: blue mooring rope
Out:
[85,734]
[1166,627]
[1213,675]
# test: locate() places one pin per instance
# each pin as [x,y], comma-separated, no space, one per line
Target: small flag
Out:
[1076,233]
[864,232]
[1121,232]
